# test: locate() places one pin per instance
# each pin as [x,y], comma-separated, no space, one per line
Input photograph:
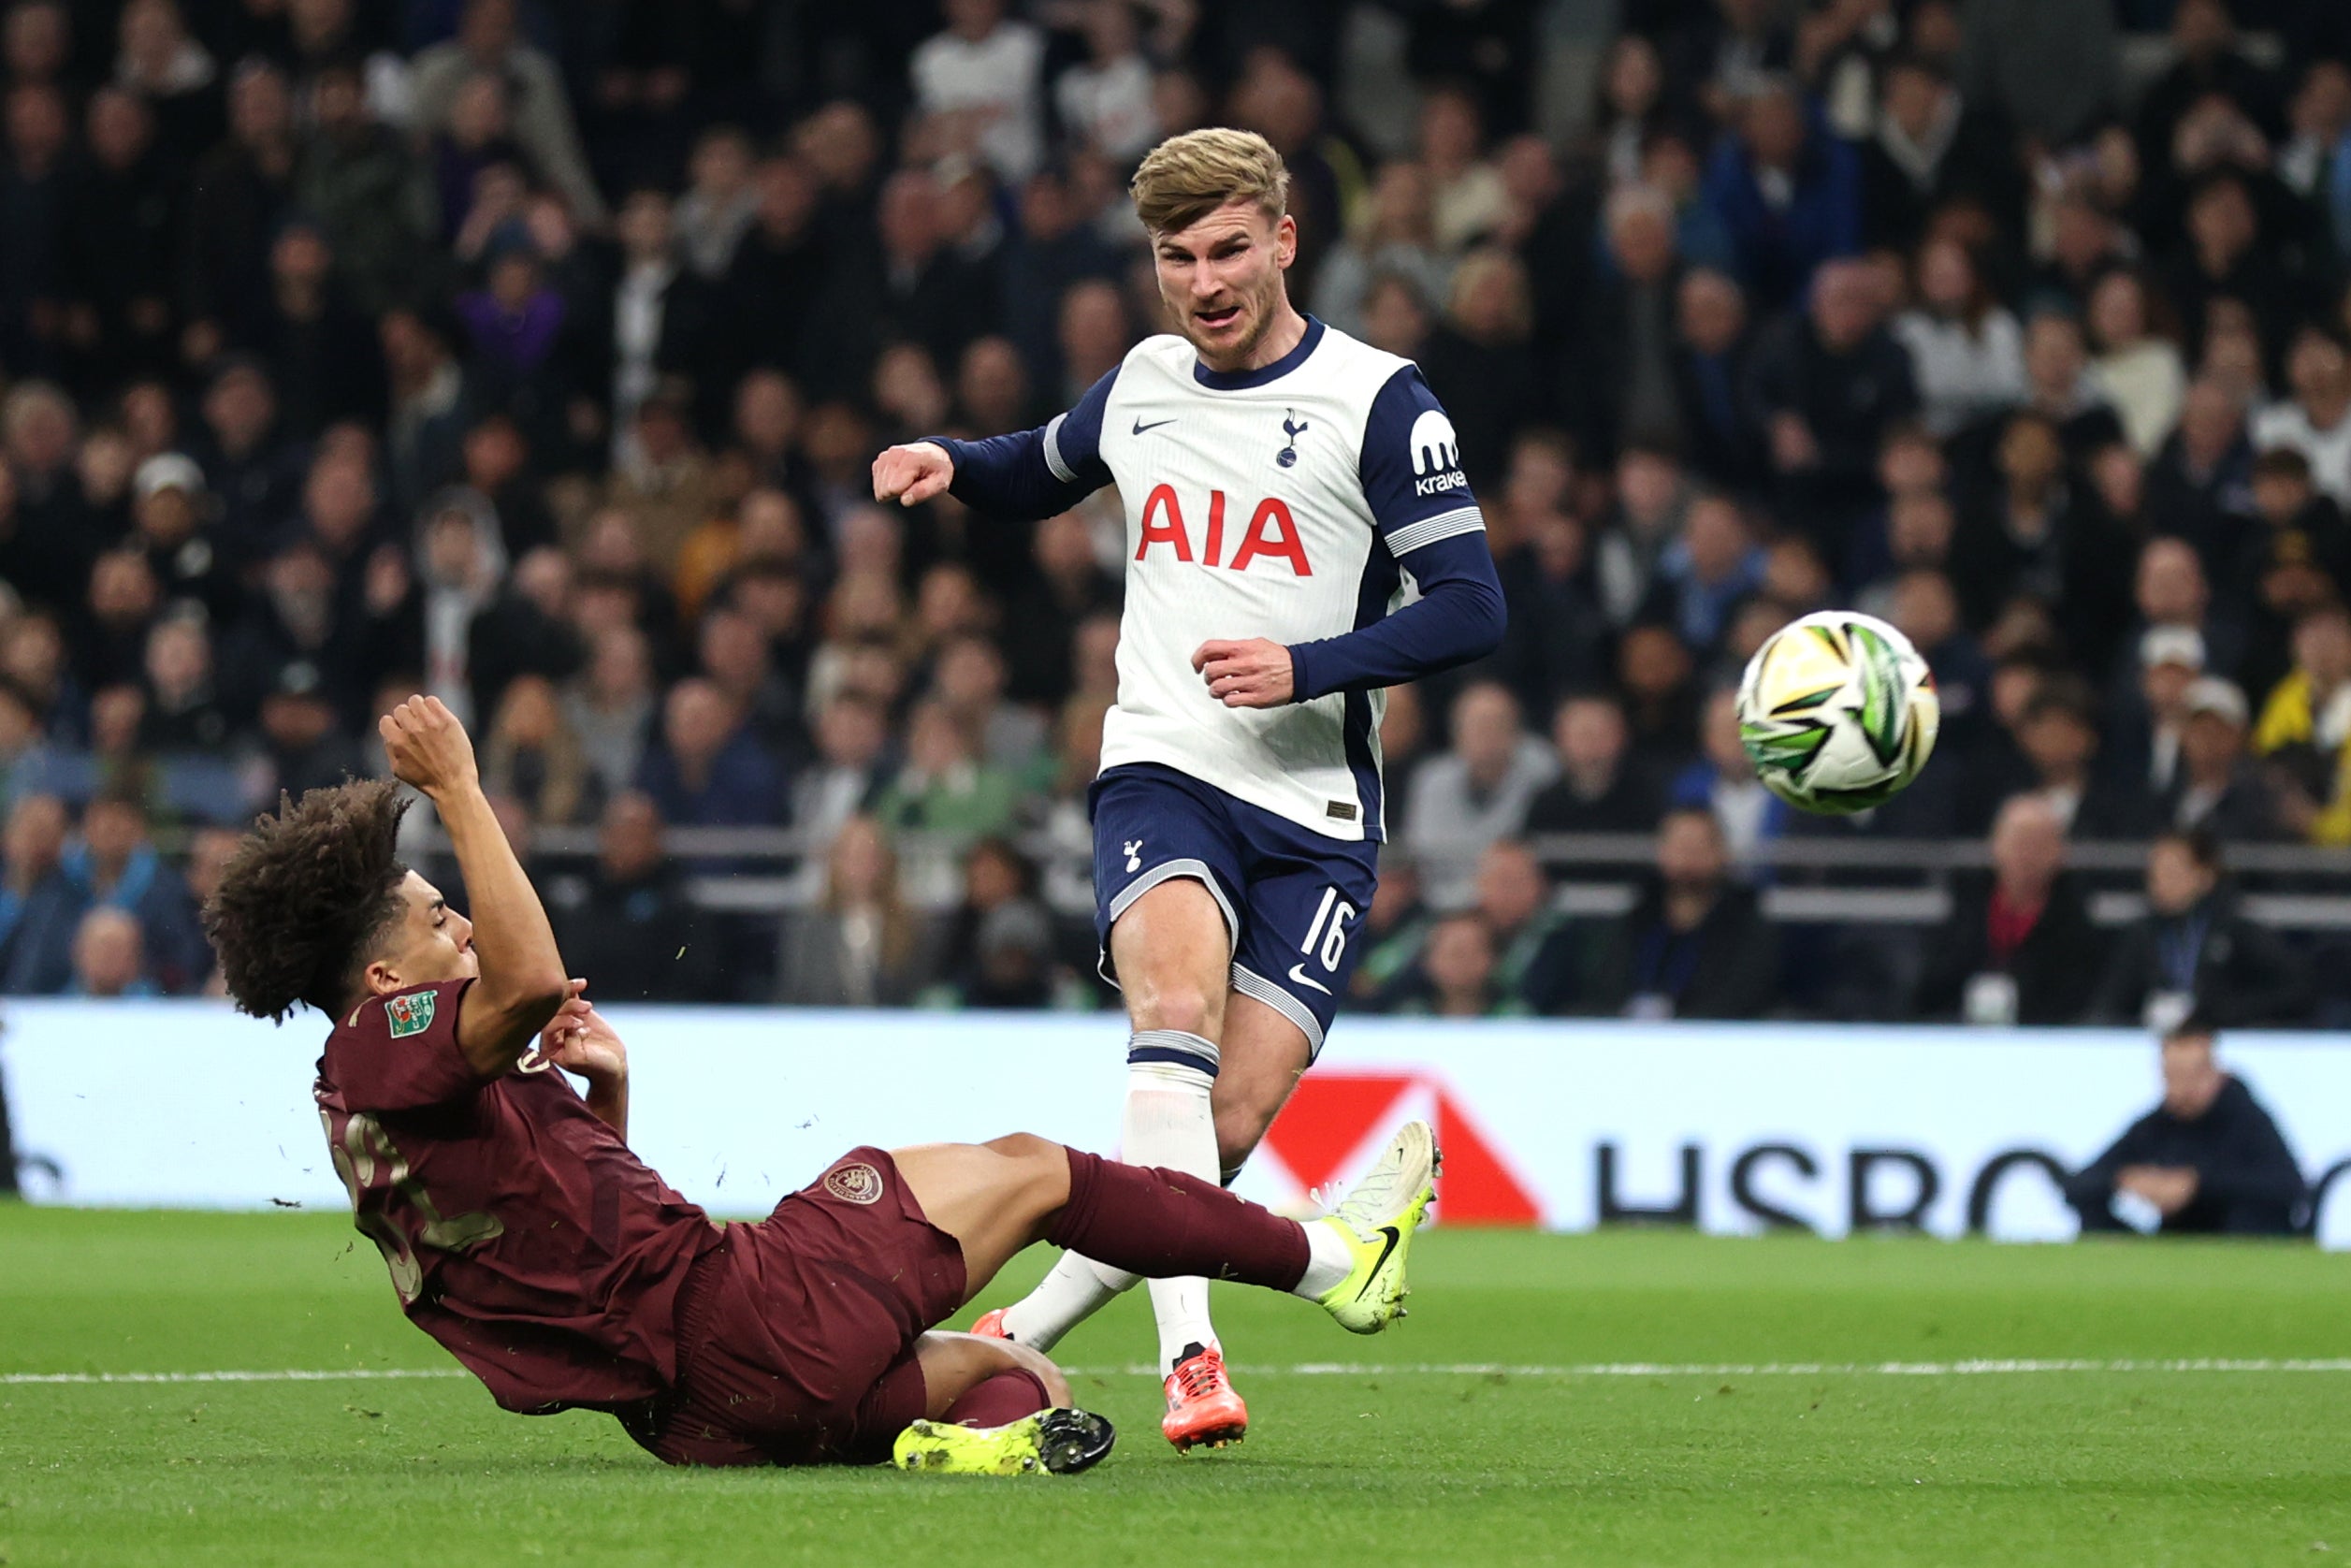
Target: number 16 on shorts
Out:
[1330,931]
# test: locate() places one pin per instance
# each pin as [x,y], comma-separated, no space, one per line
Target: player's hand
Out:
[912,474]
[1250,673]
[577,1039]
[428,747]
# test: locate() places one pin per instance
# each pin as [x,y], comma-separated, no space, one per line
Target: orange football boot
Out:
[991,1325]
[1202,1408]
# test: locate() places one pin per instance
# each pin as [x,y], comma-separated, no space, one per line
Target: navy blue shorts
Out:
[1292,898]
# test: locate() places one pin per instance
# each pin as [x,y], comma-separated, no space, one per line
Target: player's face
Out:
[1222,280]
[431,943]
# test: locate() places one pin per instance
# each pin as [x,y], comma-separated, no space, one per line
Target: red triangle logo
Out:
[1331,1113]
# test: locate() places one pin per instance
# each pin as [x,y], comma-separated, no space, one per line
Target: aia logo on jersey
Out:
[1272,534]
[1436,455]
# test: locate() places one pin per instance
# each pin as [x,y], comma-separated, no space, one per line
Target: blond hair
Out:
[1187,177]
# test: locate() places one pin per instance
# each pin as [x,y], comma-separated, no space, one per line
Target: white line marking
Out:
[1768,1369]
[1361,1369]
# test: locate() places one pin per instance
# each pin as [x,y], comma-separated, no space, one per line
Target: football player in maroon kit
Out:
[523,1234]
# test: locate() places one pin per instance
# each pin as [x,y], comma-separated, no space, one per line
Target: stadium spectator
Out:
[1931,147]
[1722,780]
[2144,750]
[2305,729]
[610,705]
[303,740]
[108,956]
[1651,500]
[118,867]
[2315,420]
[2201,470]
[1967,350]
[2136,367]
[490,43]
[628,925]
[2296,562]
[2216,787]
[1536,953]
[704,768]
[1394,238]
[2050,69]
[2018,946]
[532,757]
[857,945]
[1714,338]
[1787,189]
[983,79]
[994,946]
[1695,944]
[40,903]
[1600,787]
[1465,798]
[947,785]
[2196,951]
[1068,585]
[1555,639]
[1829,384]
[1458,967]
[2208,1159]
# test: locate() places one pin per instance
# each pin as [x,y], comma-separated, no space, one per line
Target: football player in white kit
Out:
[1300,538]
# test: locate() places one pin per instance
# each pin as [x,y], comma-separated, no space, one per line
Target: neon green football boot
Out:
[1056,1441]
[1377,1219]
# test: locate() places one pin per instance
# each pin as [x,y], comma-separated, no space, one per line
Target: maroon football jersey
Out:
[520,1231]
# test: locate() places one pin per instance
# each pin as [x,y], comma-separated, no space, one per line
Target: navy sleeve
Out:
[1035,473]
[1429,523]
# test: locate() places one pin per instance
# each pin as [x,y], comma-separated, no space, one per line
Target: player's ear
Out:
[1284,241]
[382,978]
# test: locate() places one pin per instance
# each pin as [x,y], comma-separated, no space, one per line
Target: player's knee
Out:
[1192,1009]
[1040,1366]
[1041,1166]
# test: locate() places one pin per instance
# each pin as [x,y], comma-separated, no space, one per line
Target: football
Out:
[1837,712]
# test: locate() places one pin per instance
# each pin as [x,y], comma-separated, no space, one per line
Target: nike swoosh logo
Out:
[1140,427]
[1298,973]
[1394,1236]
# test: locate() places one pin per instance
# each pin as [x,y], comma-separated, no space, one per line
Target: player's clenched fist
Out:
[1251,674]
[912,474]
[428,747]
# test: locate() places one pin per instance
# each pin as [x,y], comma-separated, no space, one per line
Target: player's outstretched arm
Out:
[523,982]
[1021,478]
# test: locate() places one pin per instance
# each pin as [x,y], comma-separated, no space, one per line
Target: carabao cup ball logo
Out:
[853,1184]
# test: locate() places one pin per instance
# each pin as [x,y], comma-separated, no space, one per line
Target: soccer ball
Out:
[1837,712]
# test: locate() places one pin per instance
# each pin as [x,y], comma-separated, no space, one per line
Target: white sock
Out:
[1329,1260]
[1076,1288]
[1170,1123]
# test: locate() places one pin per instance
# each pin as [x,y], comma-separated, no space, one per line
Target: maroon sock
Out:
[1163,1223]
[1000,1399]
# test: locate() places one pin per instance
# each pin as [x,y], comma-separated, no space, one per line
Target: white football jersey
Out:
[1271,503]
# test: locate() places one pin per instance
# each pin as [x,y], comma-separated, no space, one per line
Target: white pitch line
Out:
[290,1374]
[1355,1368]
[1772,1368]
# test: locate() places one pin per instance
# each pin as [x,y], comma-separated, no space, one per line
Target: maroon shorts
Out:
[796,1335]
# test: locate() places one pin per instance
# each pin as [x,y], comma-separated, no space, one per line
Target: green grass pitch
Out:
[1406,1458]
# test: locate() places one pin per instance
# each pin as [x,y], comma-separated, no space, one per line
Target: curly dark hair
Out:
[307,897]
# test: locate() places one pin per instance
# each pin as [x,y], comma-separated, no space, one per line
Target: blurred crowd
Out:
[533,355]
